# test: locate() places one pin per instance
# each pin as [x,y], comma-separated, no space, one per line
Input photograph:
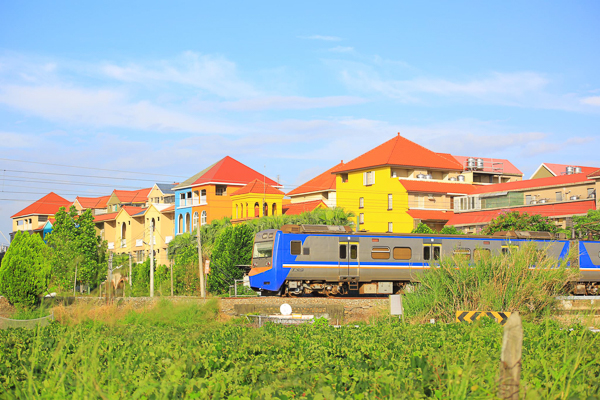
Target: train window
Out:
[306,251]
[427,253]
[380,253]
[479,254]
[464,254]
[402,253]
[295,247]
[437,250]
[353,251]
[343,251]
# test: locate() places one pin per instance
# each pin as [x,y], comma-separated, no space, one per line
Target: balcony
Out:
[123,243]
[111,245]
[139,243]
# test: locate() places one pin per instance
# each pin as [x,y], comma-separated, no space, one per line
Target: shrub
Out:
[424,229]
[24,271]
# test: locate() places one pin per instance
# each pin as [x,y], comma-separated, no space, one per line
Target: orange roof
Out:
[498,165]
[594,174]
[561,169]
[131,210]
[548,210]
[93,202]
[133,196]
[431,215]
[402,152]
[257,186]
[105,217]
[47,205]
[168,209]
[299,208]
[427,186]
[533,183]
[227,171]
[321,183]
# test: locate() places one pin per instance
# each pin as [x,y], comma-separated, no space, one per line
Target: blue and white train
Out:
[333,260]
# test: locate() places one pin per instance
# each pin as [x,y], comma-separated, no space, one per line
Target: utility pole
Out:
[200,266]
[130,277]
[152,258]
[75,281]
[108,277]
[171,278]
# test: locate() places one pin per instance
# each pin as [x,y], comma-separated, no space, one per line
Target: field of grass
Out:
[187,351]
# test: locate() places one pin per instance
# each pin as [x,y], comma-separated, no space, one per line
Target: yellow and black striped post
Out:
[470,316]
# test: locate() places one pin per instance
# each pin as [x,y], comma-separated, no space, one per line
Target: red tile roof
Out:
[131,210]
[561,169]
[321,183]
[427,186]
[257,186]
[105,217]
[226,171]
[498,165]
[431,215]
[548,210]
[594,174]
[533,183]
[93,202]
[401,152]
[47,205]
[299,208]
[133,196]
[168,209]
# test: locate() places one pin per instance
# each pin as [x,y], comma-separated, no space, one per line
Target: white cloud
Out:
[341,49]
[322,37]
[13,140]
[592,101]
[281,103]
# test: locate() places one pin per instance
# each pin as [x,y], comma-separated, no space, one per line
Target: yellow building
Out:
[256,200]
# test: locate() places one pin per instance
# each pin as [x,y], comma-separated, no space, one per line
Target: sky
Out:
[112,94]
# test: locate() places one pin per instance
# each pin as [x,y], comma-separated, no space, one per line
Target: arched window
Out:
[242,210]
[256,210]
[187,222]
[123,234]
[195,221]
[153,224]
[274,210]
[247,210]
[180,224]
[265,209]
[237,212]
[203,221]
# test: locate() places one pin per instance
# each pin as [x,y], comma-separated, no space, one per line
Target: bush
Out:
[232,247]
[450,230]
[424,229]
[515,221]
[493,283]
[24,271]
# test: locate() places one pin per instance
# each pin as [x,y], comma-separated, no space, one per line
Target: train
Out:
[334,260]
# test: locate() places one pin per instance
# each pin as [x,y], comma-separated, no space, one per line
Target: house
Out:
[321,188]
[547,170]
[256,200]
[559,197]
[305,206]
[398,184]
[120,198]
[37,217]
[486,171]
[206,196]
[98,205]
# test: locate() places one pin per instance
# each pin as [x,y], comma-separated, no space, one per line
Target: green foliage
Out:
[91,265]
[424,229]
[24,271]
[232,247]
[141,279]
[183,353]
[588,224]
[515,221]
[497,283]
[450,230]
[183,253]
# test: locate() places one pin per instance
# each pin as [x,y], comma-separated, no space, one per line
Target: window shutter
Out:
[364,178]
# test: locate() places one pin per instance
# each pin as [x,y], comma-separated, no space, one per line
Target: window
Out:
[343,251]
[221,190]
[402,253]
[380,253]
[195,221]
[591,193]
[203,196]
[237,211]
[353,251]
[187,222]
[390,227]
[394,174]
[528,199]
[344,177]
[369,178]
[462,254]
[361,202]
[390,202]
[263,250]
[295,247]
[203,218]
[558,196]
[361,218]
[427,252]
[180,224]
[481,254]
[140,256]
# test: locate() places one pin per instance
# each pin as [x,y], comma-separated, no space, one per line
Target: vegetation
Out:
[498,283]
[183,351]
[232,247]
[516,221]
[587,225]
[423,229]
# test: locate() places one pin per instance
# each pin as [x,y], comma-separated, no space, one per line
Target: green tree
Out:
[588,224]
[515,221]
[63,253]
[424,229]
[88,244]
[232,247]
[183,253]
[450,230]
[24,271]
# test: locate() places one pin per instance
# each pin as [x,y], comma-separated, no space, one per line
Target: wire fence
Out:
[6,323]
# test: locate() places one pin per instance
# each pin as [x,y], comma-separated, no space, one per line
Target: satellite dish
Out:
[285,309]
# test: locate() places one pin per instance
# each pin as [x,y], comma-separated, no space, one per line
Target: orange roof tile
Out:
[105,217]
[401,152]
[548,210]
[257,186]
[226,171]
[47,205]
[93,202]
[498,165]
[133,196]
[321,183]
[299,208]
[431,215]
[594,174]
[561,169]
[131,210]
[427,186]
[532,183]
[168,209]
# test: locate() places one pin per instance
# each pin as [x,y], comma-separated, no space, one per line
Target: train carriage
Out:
[333,260]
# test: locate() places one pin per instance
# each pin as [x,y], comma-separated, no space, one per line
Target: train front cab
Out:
[265,274]
[589,266]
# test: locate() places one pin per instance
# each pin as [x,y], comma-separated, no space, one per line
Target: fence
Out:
[6,323]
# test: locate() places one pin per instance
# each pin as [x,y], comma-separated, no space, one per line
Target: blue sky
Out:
[290,89]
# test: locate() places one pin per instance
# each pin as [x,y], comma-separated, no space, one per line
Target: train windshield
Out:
[263,249]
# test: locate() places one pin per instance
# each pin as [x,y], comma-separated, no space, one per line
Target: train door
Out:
[349,263]
[432,250]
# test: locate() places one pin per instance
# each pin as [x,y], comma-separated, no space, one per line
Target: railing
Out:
[123,243]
